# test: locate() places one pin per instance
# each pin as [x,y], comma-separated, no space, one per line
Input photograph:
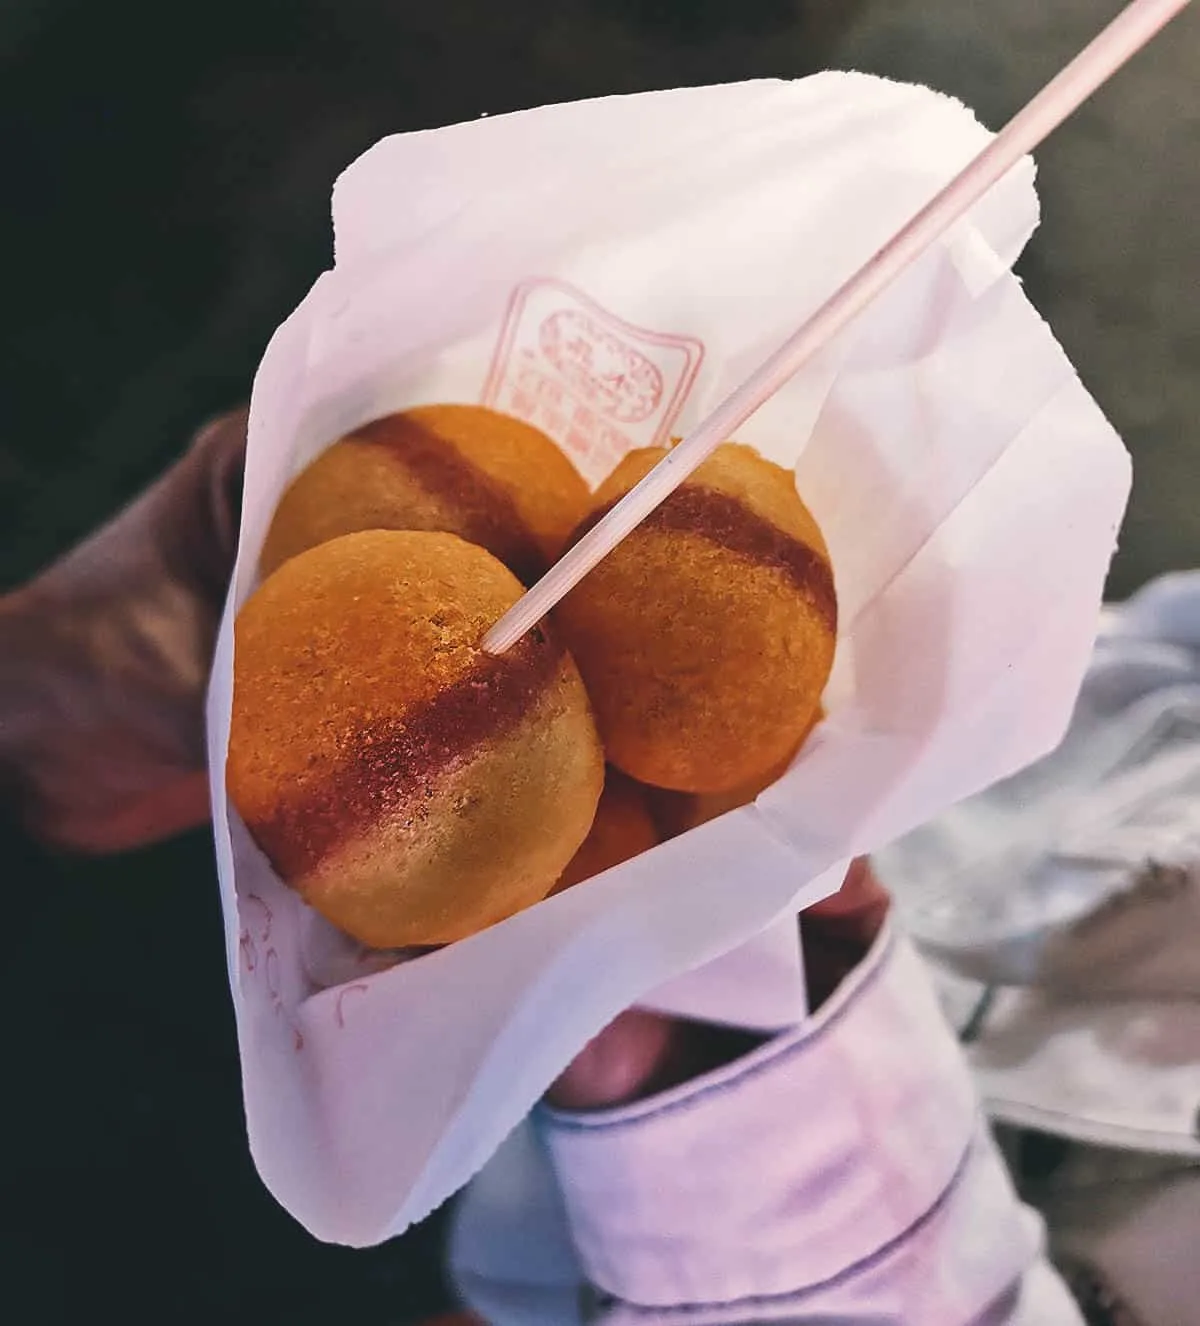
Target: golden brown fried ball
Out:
[707,636]
[410,787]
[622,829]
[463,469]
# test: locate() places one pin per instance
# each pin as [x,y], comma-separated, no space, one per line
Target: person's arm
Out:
[105,662]
[841,1172]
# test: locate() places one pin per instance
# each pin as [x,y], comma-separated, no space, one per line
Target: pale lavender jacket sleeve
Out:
[840,1173]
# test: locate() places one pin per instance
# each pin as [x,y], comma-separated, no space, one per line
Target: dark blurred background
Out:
[165,189]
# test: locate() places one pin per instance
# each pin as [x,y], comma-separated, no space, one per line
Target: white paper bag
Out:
[609,270]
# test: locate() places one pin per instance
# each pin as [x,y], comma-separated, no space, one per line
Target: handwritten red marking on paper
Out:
[272,974]
[257,923]
[256,917]
[275,992]
[597,384]
[358,988]
[255,910]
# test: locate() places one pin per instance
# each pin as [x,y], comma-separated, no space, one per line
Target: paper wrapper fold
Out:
[609,270]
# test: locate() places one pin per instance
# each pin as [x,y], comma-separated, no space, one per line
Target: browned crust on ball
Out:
[493,480]
[485,514]
[399,762]
[732,525]
[623,828]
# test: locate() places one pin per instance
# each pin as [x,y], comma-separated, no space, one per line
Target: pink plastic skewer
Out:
[1094,65]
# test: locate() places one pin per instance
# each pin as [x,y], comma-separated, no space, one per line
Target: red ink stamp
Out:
[596,384]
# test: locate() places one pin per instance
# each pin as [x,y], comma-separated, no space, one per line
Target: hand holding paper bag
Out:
[967,487]
[106,656]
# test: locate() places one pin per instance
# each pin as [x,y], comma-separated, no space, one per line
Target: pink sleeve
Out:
[841,1172]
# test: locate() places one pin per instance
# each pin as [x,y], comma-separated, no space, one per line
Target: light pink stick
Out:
[1122,39]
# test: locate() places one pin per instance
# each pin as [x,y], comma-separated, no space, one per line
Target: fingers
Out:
[103,677]
[858,907]
[641,1054]
[617,1065]
[149,816]
[197,506]
[836,933]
